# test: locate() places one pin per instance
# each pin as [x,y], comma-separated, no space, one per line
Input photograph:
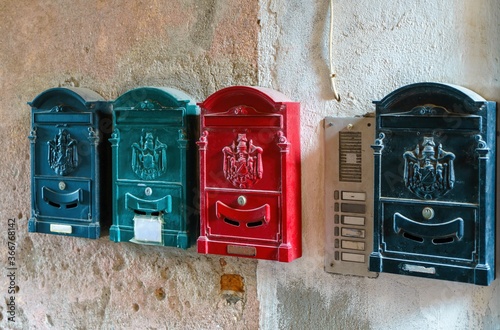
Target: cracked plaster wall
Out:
[111,47]
[378,47]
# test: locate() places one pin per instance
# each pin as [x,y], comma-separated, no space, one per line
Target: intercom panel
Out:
[348,195]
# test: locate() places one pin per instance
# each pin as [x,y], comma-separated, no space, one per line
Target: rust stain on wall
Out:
[232,282]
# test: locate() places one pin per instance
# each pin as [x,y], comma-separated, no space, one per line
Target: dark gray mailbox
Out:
[435,184]
[70,162]
[154,167]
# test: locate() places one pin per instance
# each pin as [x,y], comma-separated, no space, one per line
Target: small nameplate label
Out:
[63,229]
[357,221]
[352,232]
[353,257]
[353,196]
[419,269]
[353,245]
[242,250]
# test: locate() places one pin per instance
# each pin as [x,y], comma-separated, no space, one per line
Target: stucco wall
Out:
[200,46]
[379,46]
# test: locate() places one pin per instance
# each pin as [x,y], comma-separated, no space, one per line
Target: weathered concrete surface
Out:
[73,284]
[378,47]
[198,46]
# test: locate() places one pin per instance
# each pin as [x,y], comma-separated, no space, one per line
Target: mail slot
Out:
[154,162]
[434,159]
[70,162]
[249,152]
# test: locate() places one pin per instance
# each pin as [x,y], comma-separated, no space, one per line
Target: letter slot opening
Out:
[231,222]
[413,237]
[65,200]
[443,240]
[72,205]
[51,203]
[255,224]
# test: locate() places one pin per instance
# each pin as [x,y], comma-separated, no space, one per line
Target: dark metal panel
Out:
[434,193]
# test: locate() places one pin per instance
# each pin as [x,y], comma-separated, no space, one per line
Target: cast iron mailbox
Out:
[250,174]
[69,162]
[154,167]
[435,184]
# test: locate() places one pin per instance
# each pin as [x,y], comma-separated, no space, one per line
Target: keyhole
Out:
[242,200]
[148,191]
[428,213]
[62,185]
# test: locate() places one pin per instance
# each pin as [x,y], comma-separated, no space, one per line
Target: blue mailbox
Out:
[434,154]
[69,162]
[154,167]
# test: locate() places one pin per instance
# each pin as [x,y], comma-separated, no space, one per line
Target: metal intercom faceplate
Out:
[349,195]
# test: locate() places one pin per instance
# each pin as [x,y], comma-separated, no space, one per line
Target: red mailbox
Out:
[250,174]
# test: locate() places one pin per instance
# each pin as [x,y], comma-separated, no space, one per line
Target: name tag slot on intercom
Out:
[348,195]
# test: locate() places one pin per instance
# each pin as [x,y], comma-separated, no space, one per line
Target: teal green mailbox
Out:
[153,161]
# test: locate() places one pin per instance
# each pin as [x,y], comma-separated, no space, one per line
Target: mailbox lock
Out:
[62,185]
[148,191]
[242,200]
[428,213]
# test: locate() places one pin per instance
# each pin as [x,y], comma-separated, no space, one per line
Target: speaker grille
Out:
[350,157]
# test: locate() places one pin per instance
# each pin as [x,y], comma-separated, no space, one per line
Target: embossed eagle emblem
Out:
[63,153]
[149,157]
[242,163]
[428,171]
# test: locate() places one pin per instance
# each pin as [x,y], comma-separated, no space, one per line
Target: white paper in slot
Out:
[147,229]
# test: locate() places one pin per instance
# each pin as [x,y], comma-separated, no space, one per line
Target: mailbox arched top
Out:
[260,98]
[439,94]
[77,98]
[155,98]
